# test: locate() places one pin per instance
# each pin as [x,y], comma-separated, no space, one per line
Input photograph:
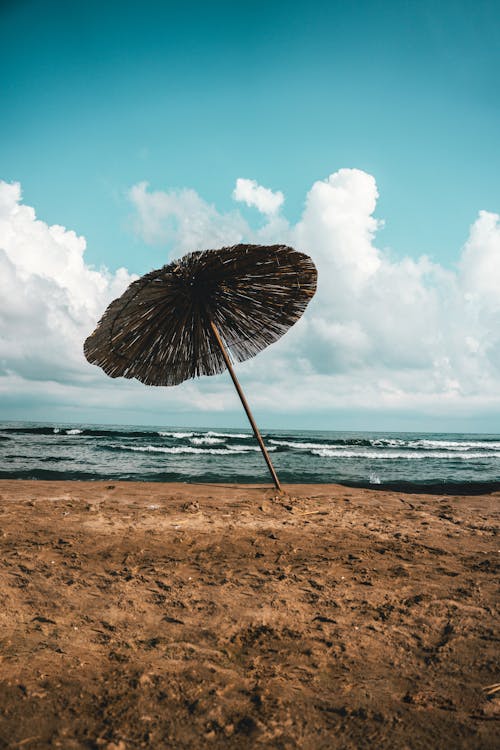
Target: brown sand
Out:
[138,615]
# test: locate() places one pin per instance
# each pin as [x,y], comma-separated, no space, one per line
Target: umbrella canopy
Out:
[159,330]
[179,321]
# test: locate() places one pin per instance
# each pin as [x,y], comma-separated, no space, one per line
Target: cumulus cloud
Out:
[182,218]
[253,194]
[408,329]
[382,333]
[49,298]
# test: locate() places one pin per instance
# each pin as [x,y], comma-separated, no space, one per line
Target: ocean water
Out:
[407,461]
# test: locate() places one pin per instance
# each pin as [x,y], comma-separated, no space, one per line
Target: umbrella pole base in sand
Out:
[245,406]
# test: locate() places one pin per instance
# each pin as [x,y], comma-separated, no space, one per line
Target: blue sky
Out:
[99,97]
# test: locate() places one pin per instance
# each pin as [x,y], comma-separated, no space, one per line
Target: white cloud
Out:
[49,298]
[338,228]
[381,334]
[182,218]
[253,194]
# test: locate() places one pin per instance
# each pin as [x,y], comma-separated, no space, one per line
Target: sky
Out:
[364,133]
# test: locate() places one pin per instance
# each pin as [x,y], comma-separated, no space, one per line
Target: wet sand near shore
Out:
[149,615]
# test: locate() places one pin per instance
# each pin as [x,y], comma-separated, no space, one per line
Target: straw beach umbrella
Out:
[192,316]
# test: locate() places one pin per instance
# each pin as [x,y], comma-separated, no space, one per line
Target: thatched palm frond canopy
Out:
[159,330]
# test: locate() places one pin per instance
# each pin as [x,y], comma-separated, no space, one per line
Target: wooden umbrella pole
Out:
[245,405]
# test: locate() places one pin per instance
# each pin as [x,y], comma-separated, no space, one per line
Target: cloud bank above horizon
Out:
[382,333]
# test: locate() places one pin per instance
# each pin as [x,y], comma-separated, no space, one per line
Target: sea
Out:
[405,461]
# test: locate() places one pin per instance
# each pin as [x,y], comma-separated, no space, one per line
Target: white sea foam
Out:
[176,449]
[388,442]
[245,448]
[206,440]
[227,451]
[305,446]
[204,435]
[240,436]
[427,447]
[409,454]
[455,444]
[74,432]
[431,444]
[178,435]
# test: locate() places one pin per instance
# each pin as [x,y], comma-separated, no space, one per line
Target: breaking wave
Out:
[177,435]
[206,440]
[398,455]
[238,435]
[178,449]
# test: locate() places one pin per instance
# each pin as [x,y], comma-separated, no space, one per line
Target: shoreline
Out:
[151,615]
[462,489]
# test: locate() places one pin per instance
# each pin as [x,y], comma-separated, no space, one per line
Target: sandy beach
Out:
[149,615]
